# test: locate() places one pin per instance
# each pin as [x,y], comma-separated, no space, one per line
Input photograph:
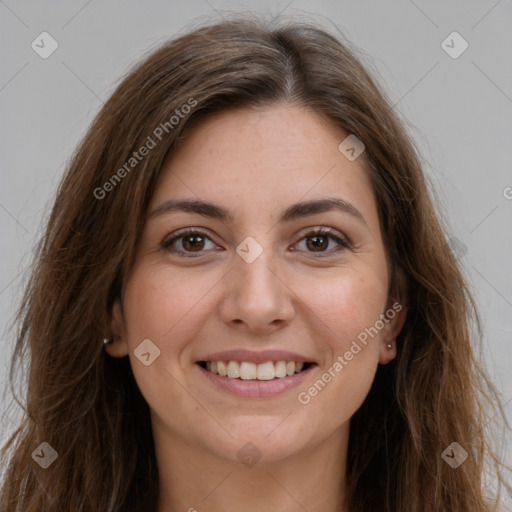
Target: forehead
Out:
[263,157]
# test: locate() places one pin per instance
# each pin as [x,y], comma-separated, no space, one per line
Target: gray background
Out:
[459,112]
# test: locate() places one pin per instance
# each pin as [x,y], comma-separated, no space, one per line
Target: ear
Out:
[119,345]
[394,319]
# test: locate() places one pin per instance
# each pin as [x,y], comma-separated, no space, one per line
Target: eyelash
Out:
[344,243]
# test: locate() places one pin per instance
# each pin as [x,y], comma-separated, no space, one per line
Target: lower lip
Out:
[256,388]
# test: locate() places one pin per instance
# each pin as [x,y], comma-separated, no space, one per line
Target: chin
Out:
[269,439]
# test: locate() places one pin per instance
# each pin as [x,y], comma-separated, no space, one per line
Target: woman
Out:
[244,297]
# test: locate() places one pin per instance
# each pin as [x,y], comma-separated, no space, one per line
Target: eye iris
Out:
[316,244]
[194,245]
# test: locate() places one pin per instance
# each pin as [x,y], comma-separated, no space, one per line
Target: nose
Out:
[257,297]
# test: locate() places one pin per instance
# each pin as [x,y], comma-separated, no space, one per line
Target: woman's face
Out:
[258,287]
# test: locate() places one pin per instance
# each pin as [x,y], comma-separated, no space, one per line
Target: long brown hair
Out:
[87,406]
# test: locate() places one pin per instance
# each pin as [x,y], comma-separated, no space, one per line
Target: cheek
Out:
[163,308]
[159,305]
[345,303]
[346,308]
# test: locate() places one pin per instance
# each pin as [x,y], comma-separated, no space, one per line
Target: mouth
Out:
[249,371]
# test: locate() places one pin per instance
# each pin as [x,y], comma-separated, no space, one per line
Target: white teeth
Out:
[248,371]
[222,368]
[252,371]
[280,369]
[266,371]
[233,370]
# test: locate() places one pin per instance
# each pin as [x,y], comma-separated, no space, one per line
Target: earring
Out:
[107,341]
[389,346]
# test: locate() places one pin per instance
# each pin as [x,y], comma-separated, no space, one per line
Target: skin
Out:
[256,162]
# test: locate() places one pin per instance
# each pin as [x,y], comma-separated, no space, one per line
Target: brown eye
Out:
[317,241]
[192,241]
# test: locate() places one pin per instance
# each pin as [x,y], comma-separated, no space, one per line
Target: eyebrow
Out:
[293,212]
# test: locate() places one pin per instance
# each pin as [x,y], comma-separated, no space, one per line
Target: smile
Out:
[246,370]
[253,380]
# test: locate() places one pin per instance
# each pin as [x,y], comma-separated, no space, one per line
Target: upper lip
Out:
[263,356]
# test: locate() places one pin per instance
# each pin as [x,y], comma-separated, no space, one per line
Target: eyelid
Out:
[324,230]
